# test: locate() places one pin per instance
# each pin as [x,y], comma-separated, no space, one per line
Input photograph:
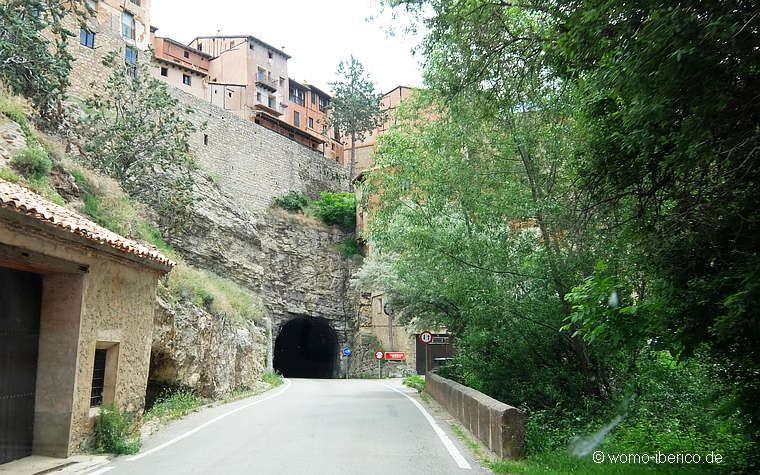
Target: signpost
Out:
[379,355]
[347,353]
[426,337]
[395,355]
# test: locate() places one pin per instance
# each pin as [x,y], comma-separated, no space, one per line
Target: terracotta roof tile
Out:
[23,201]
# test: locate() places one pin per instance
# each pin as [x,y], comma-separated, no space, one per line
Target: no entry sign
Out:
[397,355]
[426,337]
[379,355]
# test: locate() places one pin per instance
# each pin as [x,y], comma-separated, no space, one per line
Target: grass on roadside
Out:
[415,381]
[173,404]
[272,377]
[561,463]
[472,445]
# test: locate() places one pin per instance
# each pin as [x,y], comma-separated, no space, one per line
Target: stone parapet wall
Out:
[499,426]
[253,163]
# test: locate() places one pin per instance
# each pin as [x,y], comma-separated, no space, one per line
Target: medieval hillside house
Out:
[76,313]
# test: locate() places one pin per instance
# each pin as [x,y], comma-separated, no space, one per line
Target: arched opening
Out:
[306,348]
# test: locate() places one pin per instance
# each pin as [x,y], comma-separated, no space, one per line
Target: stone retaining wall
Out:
[499,426]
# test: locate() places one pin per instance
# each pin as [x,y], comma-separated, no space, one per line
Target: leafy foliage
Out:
[355,106]
[36,64]
[138,134]
[293,201]
[350,247]
[558,136]
[115,432]
[337,209]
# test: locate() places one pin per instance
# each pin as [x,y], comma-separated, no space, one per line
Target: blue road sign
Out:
[346,351]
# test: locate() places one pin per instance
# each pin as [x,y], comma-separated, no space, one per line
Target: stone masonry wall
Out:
[253,163]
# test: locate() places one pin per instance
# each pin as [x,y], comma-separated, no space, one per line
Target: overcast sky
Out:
[318,34]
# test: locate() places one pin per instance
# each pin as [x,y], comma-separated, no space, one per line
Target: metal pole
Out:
[379,371]
[426,360]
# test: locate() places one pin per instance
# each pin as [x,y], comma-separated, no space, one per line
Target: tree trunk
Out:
[352,169]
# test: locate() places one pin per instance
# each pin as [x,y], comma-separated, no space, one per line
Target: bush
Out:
[32,162]
[337,209]
[9,175]
[293,201]
[114,432]
[350,247]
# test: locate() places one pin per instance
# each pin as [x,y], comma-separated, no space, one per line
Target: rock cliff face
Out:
[291,262]
[194,348]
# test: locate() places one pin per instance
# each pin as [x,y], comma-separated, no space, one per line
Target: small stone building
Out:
[76,318]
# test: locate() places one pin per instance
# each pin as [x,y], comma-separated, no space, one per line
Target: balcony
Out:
[267,109]
[268,84]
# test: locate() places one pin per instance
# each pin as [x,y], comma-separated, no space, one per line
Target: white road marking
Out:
[102,470]
[453,451]
[206,424]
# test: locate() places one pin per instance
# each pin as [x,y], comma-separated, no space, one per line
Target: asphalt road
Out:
[308,426]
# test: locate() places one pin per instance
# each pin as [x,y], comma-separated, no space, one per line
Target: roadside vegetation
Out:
[570,200]
[415,381]
[116,433]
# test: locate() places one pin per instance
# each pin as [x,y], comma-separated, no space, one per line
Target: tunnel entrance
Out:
[306,348]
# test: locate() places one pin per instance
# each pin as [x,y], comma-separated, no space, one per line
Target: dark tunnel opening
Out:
[306,348]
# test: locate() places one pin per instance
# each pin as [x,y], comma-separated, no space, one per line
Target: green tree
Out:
[355,107]
[32,64]
[136,132]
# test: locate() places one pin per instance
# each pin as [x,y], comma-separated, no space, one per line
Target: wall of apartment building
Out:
[175,78]
[230,97]
[238,61]
[107,26]
[256,164]
[178,69]
[364,148]
[310,110]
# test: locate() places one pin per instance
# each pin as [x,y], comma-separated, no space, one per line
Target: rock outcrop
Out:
[194,348]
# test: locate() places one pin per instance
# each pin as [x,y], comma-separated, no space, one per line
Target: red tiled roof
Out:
[23,201]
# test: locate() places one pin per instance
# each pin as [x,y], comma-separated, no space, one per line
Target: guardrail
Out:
[499,426]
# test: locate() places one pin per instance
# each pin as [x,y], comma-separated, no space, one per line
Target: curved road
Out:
[308,426]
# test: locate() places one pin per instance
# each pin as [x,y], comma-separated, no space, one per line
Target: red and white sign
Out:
[379,355]
[394,355]
[426,337]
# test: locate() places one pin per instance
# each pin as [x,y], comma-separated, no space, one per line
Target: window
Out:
[128,25]
[297,95]
[205,139]
[98,378]
[296,119]
[200,47]
[187,55]
[164,72]
[186,79]
[261,75]
[130,61]
[272,102]
[270,55]
[93,4]
[86,38]
[323,102]
[311,122]
[136,2]
[258,97]
[313,97]
[282,82]
[250,46]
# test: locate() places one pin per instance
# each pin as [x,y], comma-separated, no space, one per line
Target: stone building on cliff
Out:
[76,313]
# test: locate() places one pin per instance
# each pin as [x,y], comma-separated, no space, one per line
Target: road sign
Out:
[379,355]
[397,355]
[426,337]
[346,351]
